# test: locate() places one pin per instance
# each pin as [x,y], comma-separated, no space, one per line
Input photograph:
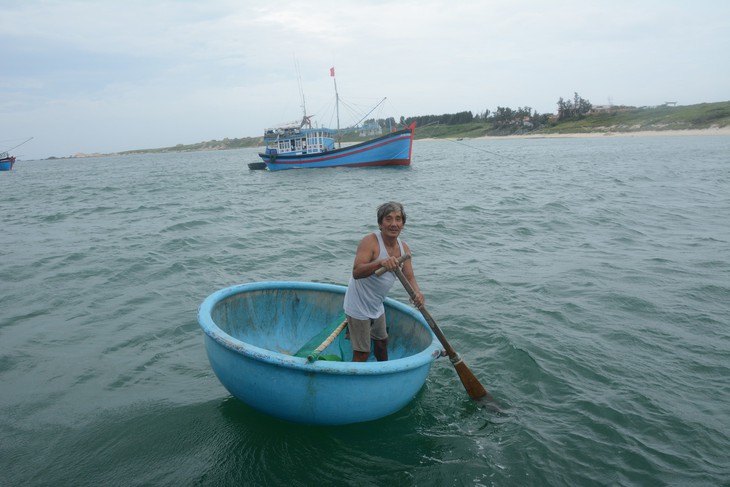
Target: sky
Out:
[104,76]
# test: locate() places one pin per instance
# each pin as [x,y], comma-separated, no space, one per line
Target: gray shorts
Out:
[361,331]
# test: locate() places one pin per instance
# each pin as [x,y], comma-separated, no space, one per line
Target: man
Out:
[366,291]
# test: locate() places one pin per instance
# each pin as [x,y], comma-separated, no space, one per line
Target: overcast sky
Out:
[106,76]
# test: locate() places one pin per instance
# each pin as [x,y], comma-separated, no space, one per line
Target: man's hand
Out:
[418,299]
[390,264]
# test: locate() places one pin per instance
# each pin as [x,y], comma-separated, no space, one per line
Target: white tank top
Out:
[364,297]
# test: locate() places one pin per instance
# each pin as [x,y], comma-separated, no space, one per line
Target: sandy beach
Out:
[643,133]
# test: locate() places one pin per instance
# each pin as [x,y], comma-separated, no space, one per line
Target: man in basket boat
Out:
[367,291]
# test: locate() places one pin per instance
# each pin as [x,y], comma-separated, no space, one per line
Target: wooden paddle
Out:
[311,350]
[472,385]
[318,351]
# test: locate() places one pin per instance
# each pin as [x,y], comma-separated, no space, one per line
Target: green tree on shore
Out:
[575,109]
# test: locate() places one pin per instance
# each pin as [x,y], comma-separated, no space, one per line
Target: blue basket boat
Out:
[253,332]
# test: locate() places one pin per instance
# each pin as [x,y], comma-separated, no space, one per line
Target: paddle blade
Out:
[472,385]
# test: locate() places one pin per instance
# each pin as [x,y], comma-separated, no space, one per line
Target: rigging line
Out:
[351,111]
[355,111]
[485,150]
[299,83]
[371,111]
[26,140]
[481,149]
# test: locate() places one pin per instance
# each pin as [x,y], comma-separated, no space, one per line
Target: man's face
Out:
[392,224]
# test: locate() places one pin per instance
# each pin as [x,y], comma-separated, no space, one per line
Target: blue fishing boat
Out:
[255,334]
[6,161]
[301,145]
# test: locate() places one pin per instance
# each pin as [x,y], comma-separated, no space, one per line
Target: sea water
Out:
[585,282]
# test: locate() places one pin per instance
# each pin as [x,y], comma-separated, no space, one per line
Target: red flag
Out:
[332,71]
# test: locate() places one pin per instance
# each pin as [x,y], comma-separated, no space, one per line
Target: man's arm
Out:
[366,258]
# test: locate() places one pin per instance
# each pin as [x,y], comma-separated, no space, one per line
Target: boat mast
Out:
[337,105]
[305,119]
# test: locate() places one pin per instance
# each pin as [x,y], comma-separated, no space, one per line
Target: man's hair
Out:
[389,207]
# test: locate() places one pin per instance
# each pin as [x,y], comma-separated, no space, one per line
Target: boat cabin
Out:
[299,141]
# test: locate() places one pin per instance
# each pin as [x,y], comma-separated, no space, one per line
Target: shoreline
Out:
[715,131]
[640,133]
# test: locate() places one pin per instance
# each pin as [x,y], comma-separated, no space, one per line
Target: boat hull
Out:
[393,149]
[7,164]
[252,332]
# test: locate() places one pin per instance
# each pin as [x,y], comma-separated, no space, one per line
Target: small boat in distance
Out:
[6,161]
[304,146]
